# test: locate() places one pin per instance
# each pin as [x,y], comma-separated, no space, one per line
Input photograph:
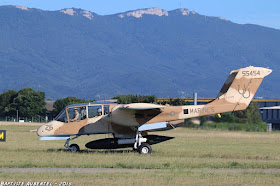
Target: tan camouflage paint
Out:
[236,94]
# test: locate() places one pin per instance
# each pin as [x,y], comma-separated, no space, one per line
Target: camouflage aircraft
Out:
[130,123]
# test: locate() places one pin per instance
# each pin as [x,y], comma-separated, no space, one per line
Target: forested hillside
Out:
[74,52]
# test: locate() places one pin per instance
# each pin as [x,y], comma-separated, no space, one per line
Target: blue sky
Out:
[261,12]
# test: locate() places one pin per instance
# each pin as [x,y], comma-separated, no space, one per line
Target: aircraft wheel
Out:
[74,148]
[145,148]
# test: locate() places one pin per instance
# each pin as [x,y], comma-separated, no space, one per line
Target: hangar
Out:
[270,112]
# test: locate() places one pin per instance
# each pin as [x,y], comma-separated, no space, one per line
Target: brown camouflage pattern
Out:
[123,120]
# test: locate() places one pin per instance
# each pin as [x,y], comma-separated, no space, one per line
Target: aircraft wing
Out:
[135,114]
[142,106]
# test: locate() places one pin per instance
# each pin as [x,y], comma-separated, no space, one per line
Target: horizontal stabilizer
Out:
[142,106]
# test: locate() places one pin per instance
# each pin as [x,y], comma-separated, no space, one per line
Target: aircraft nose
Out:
[45,130]
[40,130]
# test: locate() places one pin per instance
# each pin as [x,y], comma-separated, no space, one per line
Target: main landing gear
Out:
[140,145]
[72,147]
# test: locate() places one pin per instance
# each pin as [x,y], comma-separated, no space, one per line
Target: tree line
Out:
[27,102]
[31,104]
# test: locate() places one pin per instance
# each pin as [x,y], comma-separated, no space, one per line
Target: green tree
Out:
[175,102]
[6,98]
[202,120]
[250,115]
[225,117]
[130,98]
[62,103]
[28,102]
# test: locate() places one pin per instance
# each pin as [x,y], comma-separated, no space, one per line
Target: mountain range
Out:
[75,52]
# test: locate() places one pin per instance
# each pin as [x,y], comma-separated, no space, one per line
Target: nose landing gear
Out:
[72,147]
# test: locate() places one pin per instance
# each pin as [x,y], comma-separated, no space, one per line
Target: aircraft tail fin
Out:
[239,89]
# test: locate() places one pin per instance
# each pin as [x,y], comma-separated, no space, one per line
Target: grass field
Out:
[191,148]
[170,177]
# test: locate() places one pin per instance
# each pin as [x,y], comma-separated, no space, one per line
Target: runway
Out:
[117,170]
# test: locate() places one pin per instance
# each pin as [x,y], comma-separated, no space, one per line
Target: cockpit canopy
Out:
[83,111]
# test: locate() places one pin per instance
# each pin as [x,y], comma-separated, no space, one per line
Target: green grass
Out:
[191,148]
[168,177]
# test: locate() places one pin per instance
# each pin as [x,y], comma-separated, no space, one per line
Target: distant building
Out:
[270,112]
[49,107]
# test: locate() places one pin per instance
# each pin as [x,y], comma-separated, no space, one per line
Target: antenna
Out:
[180,4]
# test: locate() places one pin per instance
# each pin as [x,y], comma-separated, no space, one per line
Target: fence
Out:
[39,119]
